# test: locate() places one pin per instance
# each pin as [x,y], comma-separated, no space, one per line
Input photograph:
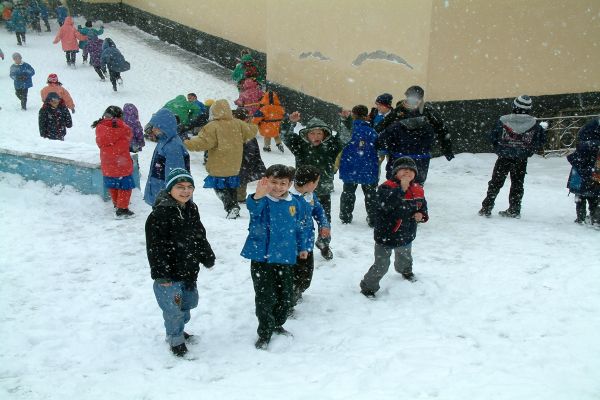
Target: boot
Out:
[510,214]
[179,350]
[267,148]
[409,276]
[279,330]
[485,212]
[580,211]
[262,343]
[280,147]
[124,213]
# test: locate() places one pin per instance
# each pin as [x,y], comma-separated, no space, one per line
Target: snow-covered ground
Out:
[503,309]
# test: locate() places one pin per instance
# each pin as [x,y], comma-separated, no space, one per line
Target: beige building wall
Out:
[489,49]
[238,21]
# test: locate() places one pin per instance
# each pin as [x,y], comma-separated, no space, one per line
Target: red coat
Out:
[113,142]
[69,36]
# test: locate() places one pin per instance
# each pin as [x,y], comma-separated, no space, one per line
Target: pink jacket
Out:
[250,96]
[68,35]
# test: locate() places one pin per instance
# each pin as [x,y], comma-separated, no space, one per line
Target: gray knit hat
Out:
[404,163]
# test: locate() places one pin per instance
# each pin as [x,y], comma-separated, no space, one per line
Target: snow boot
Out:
[510,214]
[485,212]
[233,213]
[368,293]
[280,147]
[409,276]
[179,350]
[124,213]
[580,211]
[280,330]
[262,343]
[267,148]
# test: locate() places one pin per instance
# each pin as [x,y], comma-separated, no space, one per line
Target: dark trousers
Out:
[273,288]
[47,24]
[85,53]
[20,38]
[325,200]
[348,199]
[70,56]
[101,72]
[114,75]
[517,168]
[228,197]
[22,95]
[303,273]
[592,203]
[35,24]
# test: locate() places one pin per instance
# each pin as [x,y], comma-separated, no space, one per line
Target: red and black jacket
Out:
[395,224]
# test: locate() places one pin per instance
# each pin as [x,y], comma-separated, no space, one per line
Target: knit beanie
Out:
[404,163]
[176,176]
[385,99]
[522,102]
[415,91]
[52,78]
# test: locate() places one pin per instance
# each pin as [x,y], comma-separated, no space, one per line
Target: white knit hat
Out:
[523,102]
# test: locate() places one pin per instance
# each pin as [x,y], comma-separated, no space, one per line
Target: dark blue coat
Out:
[112,57]
[359,162]
[584,159]
[275,233]
[53,122]
[43,11]
[22,74]
[18,20]
[517,136]
[312,209]
[61,14]
[413,136]
[395,224]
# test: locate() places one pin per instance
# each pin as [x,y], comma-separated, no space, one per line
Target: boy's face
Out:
[182,192]
[54,102]
[316,136]
[191,99]
[381,109]
[309,187]
[279,187]
[405,174]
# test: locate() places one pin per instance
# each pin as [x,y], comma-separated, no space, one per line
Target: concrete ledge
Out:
[85,177]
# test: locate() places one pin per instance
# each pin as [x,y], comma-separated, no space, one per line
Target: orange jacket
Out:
[269,116]
[61,91]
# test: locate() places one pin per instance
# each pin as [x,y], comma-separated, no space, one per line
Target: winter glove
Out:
[209,263]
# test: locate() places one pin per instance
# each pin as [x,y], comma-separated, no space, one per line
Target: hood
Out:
[518,123]
[250,84]
[164,120]
[130,111]
[108,42]
[246,58]
[270,97]
[313,124]
[69,21]
[220,110]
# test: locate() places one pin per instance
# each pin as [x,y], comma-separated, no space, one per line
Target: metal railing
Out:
[562,133]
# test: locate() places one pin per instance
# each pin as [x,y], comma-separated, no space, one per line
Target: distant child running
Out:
[176,244]
[276,238]
[268,118]
[401,205]
[21,73]
[54,118]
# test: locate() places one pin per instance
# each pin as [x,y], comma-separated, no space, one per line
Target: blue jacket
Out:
[312,209]
[584,161]
[18,20]
[112,57]
[43,11]
[275,233]
[22,74]
[33,9]
[169,153]
[517,136]
[61,14]
[359,162]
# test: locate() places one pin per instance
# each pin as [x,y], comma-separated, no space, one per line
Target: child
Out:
[250,96]
[175,244]
[115,62]
[383,108]
[169,153]
[18,22]
[515,138]
[305,182]
[584,179]
[359,165]
[68,36]
[315,145]
[113,137]
[276,237]
[224,138]
[268,118]
[55,86]
[54,118]
[247,69]
[401,206]
[252,168]
[44,15]
[21,73]
[94,48]
[131,118]
[89,32]
[61,14]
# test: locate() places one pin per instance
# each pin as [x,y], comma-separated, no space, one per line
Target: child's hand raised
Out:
[262,188]
[295,116]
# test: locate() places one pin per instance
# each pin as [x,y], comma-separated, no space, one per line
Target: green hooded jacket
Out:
[185,110]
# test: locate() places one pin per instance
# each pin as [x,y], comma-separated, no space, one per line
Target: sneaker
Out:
[262,343]
[409,276]
[179,350]
[368,293]
[281,148]
[509,214]
[280,330]
[124,213]
[233,213]
[326,253]
[484,212]
[267,148]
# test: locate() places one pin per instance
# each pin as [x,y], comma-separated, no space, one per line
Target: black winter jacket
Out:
[395,225]
[53,122]
[176,240]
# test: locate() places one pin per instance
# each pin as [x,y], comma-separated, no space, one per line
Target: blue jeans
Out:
[175,302]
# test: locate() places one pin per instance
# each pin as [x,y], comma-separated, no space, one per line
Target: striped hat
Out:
[523,102]
[176,176]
